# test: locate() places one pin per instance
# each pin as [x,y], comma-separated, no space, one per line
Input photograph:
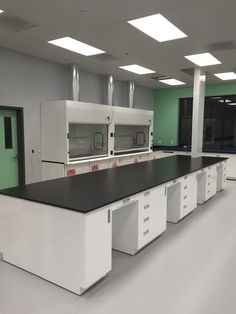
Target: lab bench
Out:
[63,230]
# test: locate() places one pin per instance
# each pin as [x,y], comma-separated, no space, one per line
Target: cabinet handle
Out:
[146,206]
[146,219]
[208,191]
[209,183]
[174,181]
[109,216]
[186,177]
[126,200]
[165,190]
[146,193]
[185,206]
[146,232]
[185,187]
[185,197]
[209,175]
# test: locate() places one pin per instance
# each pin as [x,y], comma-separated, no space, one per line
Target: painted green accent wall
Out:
[166,110]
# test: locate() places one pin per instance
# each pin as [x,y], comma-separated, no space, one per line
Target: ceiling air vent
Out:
[104,57]
[14,23]
[190,71]
[224,45]
[160,77]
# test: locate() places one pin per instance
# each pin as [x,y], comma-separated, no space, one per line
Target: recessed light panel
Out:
[203,59]
[172,82]
[138,69]
[157,27]
[226,76]
[1,11]
[76,46]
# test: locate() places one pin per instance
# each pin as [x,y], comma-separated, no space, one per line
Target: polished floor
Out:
[190,269]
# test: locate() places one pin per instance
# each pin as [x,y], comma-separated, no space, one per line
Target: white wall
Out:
[25,81]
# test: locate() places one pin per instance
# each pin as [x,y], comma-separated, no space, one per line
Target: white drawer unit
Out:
[207,184]
[152,215]
[221,175]
[181,197]
[139,220]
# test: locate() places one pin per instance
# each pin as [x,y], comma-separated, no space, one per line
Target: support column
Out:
[198,111]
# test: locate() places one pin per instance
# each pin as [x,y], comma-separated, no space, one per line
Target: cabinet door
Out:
[98,246]
[159,211]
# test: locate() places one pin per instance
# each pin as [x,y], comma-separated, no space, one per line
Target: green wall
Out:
[166,110]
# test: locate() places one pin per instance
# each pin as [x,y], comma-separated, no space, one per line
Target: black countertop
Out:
[87,192]
[188,149]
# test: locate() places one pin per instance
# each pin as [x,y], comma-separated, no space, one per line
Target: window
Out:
[8,132]
[219,130]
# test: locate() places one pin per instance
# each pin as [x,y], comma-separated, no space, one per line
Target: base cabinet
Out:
[139,220]
[207,184]
[70,249]
[182,197]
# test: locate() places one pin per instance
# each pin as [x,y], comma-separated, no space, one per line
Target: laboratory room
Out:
[117,157]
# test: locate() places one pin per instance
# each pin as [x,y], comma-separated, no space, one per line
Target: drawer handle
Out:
[126,200]
[185,187]
[146,219]
[109,216]
[185,197]
[146,193]
[146,206]
[209,183]
[185,206]
[209,175]
[186,177]
[146,232]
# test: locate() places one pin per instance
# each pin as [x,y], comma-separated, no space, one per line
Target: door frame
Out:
[20,141]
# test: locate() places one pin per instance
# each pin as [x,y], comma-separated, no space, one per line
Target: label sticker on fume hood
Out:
[71,172]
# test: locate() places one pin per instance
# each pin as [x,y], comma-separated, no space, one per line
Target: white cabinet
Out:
[70,249]
[207,184]
[152,215]
[221,175]
[181,197]
[139,220]
[188,194]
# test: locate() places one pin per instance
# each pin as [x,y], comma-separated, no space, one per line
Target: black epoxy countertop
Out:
[87,192]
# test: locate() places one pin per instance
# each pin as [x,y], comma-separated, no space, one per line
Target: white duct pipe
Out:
[131,94]
[75,76]
[109,89]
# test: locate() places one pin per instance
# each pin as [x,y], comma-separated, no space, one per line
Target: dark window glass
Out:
[219,122]
[8,132]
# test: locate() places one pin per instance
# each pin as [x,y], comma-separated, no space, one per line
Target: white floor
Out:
[190,269]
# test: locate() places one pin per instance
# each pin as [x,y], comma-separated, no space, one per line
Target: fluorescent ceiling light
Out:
[203,59]
[217,97]
[138,69]
[172,82]
[76,46]
[158,27]
[232,104]
[1,11]
[226,76]
[226,100]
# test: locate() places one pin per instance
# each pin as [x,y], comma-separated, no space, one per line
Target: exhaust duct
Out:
[75,77]
[131,94]
[109,87]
